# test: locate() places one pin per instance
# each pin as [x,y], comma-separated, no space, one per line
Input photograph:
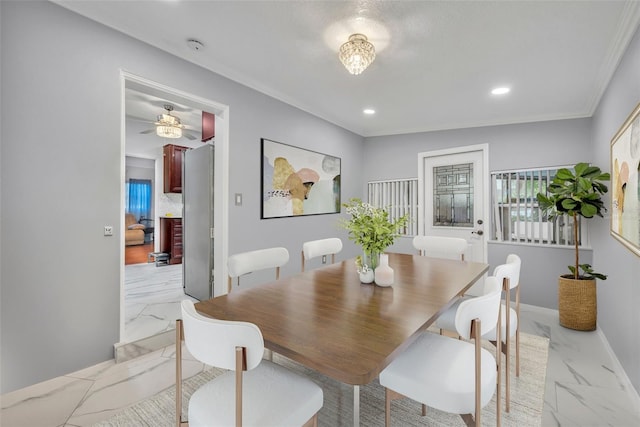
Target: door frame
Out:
[221,172]
[484,148]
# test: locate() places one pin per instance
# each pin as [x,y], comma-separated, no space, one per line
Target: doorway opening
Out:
[140,145]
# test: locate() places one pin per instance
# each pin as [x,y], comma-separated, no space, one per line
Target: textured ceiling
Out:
[436,61]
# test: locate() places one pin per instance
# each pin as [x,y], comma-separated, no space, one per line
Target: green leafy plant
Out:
[576,193]
[370,227]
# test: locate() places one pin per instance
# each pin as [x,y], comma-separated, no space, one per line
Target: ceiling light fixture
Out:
[357,54]
[500,91]
[168,126]
[369,111]
[169,131]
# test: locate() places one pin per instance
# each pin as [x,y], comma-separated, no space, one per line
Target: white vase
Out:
[366,276]
[384,273]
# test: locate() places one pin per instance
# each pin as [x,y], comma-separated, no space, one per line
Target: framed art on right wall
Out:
[625,183]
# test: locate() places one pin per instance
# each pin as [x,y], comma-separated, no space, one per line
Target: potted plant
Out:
[371,229]
[577,193]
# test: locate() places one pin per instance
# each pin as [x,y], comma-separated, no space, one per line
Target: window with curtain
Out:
[516,216]
[398,197]
[139,198]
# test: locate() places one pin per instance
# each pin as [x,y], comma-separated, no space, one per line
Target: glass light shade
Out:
[357,54]
[168,119]
[168,131]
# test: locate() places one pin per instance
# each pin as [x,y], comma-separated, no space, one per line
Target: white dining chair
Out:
[506,274]
[448,374]
[253,391]
[441,247]
[248,262]
[323,247]
[510,325]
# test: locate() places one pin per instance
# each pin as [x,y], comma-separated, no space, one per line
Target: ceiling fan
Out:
[169,126]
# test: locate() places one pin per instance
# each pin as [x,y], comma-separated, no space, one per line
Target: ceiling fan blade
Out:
[189,136]
[139,119]
[144,132]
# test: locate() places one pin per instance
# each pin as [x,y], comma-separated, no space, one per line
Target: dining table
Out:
[327,320]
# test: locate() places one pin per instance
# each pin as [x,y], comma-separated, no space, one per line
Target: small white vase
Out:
[384,273]
[366,276]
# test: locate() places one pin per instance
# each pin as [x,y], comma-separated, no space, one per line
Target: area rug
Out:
[527,396]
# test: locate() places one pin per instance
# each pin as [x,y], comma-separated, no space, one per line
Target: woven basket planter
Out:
[577,303]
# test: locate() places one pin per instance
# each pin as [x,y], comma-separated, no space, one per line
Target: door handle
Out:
[479,232]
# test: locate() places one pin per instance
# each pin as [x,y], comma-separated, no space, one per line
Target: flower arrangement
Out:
[370,228]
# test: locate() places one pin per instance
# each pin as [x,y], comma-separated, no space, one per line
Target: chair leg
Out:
[241,365]
[387,407]
[468,420]
[518,351]
[499,367]
[179,339]
[507,392]
[389,396]
[313,421]
[475,334]
[518,331]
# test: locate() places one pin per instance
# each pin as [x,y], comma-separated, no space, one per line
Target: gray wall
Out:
[60,286]
[619,295]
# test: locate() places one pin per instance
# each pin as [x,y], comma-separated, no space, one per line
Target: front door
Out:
[452,189]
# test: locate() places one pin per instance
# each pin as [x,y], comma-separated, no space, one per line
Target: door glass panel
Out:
[453,195]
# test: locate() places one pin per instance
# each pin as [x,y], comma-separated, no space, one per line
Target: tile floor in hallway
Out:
[151,296]
[583,386]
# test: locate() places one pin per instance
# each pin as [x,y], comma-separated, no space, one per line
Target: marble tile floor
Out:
[151,299]
[584,385]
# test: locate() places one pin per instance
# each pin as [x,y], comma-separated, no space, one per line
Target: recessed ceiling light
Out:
[369,111]
[500,91]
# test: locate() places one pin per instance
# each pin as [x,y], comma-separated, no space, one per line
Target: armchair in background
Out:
[134,232]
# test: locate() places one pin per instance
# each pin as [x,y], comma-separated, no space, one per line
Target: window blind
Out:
[398,197]
[516,215]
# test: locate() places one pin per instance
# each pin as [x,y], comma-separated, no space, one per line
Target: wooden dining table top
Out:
[328,321]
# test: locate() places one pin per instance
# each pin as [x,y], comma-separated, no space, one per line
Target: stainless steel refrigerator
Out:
[197,222]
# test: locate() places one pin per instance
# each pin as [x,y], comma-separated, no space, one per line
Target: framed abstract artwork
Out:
[296,181]
[625,183]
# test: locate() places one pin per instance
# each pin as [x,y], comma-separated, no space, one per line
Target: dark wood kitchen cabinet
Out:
[173,156]
[171,239]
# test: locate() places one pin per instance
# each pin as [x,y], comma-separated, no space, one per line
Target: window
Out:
[516,216]
[139,198]
[398,197]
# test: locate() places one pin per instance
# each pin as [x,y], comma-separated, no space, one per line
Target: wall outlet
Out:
[108,230]
[324,259]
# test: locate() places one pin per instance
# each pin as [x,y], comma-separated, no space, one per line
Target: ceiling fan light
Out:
[169,131]
[357,54]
